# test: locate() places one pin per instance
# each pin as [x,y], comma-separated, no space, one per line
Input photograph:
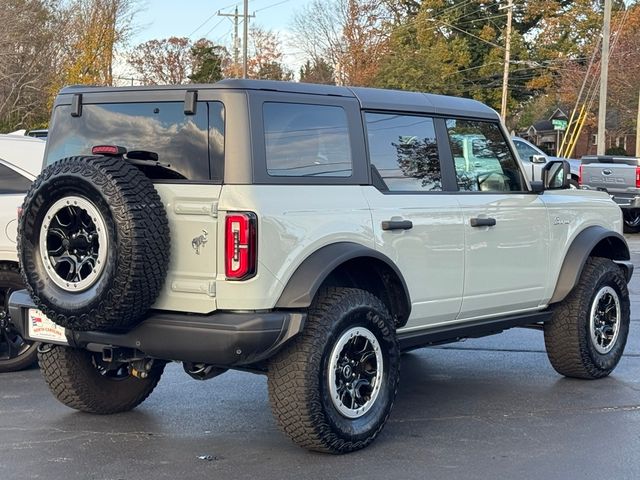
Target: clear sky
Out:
[197,18]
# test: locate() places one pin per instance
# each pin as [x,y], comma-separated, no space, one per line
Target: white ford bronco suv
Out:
[307,232]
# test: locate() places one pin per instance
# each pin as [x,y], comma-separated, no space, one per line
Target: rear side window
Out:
[482,157]
[306,140]
[180,140]
[404,150]
[12,182]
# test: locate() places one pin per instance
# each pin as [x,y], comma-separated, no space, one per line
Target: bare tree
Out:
[266,60]
[351,35]
[26,57]
[163,62]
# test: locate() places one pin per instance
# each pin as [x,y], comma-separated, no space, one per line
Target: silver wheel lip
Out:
[103,242]
[607,290]
[333,363]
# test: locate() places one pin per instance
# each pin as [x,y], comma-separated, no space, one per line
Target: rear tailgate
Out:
[613,174]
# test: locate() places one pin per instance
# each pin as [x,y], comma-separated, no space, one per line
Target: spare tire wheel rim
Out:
[604,320]
[73,243]
[355,372]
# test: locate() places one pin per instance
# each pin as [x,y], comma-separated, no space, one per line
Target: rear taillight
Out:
[637,177]
[241,244]
[580,175]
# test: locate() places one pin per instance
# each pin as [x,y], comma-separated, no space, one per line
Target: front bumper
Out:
[225,339]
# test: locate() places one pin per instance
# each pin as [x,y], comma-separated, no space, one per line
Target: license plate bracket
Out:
[42,329]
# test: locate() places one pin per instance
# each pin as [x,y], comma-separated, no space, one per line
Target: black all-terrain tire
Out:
[137,234]
[567,337]
[298,375]
[74,380]
[25,353]
[631,220]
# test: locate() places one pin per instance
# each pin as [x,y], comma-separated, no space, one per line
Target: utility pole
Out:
[245,39]
[507,59]
[236,39]
[604,75]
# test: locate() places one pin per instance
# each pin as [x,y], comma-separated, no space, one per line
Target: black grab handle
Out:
[483,222]
[397,225]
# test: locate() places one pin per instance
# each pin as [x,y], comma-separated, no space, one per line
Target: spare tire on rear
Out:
[93,243]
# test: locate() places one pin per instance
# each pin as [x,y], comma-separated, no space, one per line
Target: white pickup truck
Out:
[620,178]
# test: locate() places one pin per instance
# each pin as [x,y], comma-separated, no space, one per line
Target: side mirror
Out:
[538,159]
[556,175]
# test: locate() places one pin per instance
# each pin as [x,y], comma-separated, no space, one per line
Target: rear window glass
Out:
[306,140]
[180,140]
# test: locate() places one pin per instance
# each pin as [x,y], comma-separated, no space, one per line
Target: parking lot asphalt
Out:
[481,409]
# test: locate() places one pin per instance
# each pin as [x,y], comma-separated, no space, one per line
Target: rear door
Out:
[416,223]
[506,227]
[190,149]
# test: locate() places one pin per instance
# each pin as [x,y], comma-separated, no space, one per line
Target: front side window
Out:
[304,140]
[404,151]
[161,127]
[482,157]
[12,182]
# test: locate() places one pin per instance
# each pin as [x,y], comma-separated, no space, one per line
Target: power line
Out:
[272,5]
[213,28]
[209,19]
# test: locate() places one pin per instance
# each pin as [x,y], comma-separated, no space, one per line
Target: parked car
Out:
[306,232]
[20,162]
[535,159]
[41,133]
[620,178]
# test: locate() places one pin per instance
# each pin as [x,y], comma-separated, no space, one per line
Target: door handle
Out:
[397,225]
[483,222]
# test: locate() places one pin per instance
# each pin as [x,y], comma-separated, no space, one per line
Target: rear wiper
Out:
[147,160]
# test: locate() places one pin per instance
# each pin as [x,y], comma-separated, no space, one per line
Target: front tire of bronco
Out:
[333,387]
[588,331]
[81,381]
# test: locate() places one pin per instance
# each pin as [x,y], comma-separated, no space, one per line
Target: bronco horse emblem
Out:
[200,241]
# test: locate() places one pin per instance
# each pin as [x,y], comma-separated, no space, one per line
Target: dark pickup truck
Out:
[620,178]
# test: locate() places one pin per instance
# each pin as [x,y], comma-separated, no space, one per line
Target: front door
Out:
[506,227]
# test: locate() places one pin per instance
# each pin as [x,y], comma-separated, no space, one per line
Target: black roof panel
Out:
[369,98]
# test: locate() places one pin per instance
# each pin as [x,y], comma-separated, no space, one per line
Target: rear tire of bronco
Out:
[93,243]
[588,331]
[78,379]
[332,388]
[631,220]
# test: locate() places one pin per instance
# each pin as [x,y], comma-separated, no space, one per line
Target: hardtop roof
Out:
[369,98]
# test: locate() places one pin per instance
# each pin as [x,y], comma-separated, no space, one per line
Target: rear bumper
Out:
[224,339]
[624,200]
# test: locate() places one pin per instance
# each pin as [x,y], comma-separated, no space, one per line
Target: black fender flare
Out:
[594,240]
[314,270]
